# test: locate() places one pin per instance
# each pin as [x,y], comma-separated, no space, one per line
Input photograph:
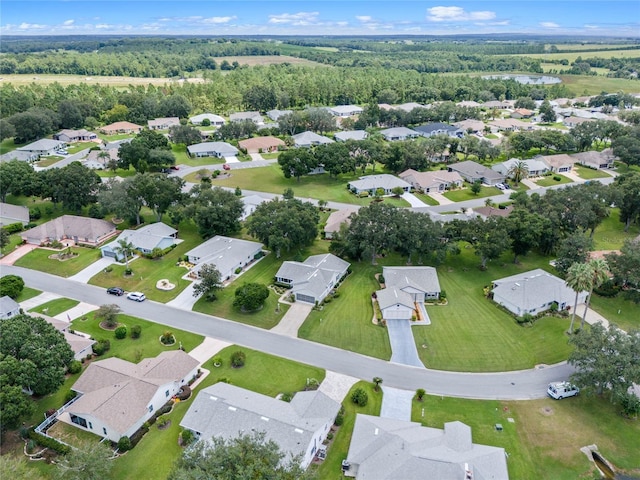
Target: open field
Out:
[610,234]
[549,181]
[592,46]
[45,260]
[46,79]
[464,194]
[253,60]
[54,307]
[589,173]
[595,85]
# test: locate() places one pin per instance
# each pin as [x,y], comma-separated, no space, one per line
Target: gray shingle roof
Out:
[383,180]
[310,138]
[43,144]
[351,135]
[13,214]
[8,305]
[313,276]
[398,132]
[424,279]
[434,127]
[71,226]
[392,296]
[213,118]
[223,149]
[147,237]
[223,252]
[472,169]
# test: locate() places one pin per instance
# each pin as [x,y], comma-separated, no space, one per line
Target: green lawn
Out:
[183,158]
[133,350]
[130,172]
[147,272]
[589,173]
[427,199]
[54,307]
[48,161]
[113,138]
[27,293]
[14,241]
[76,147]
[38,259]
[7,145]
[331,469]
[270,179]
[610,234]
[466,193]
[550,182]
[472,334]
[623,313]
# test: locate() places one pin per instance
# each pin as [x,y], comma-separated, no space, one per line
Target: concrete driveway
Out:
[185,299]
[403,346]
[293,319]
[96,267]
[396,403]
[413,200]
[440,198]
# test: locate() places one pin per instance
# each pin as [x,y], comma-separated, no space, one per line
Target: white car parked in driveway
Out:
[137,296]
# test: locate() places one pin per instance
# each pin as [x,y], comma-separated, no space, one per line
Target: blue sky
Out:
[319,17]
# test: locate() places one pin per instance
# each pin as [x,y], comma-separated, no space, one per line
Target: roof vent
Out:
[375,432]
[213,398]
[298,430]
[264,418]
[233,409]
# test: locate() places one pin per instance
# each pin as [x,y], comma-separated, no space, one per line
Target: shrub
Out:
[75,367]
[313,384]
[11,286]
[238,270]
[49,443]
[420,393]
[632,295]
[35,213]
[339,420]
[13,228]
[69,396]
[381,278]
[360,397]
[101,347]
[187,437]
[167,338]
[124,444]
[286,397]
[443,295]
[630,404]
[121,332]
[217,361]
[363,194]
[557,178]
[238,359]
[185,393]
[136,331]
[607,289]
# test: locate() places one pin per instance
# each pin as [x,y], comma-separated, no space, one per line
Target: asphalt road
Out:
[525,384]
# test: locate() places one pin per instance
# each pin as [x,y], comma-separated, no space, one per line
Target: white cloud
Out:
[31,26]
[591,27]
[218,20]
[457,14]
[68,23]
[103,26]
[297,19]
[549,25]
[364,18]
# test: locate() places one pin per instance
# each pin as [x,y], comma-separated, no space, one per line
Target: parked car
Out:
[226,166]
[174,167]
[115,291]
[560,390]
[137,296]
[500,186]
[63,152]
[507,187]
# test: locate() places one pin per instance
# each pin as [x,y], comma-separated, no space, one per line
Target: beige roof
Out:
[430,179]
[116,126]
[69,226]
[337,218]
[559,160]
[256,143]
[119,392]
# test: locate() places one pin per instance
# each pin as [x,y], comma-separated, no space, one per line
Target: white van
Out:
[560,390]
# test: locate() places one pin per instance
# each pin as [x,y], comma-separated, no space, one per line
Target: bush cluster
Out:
[101,347]
[50,443]
[74,367]
[121,332]
[360,397]
[136,331]
[238,359]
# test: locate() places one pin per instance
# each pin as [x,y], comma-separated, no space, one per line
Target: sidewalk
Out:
[38,300]
[96,267]
[336,386]
[18,253]
[76,312]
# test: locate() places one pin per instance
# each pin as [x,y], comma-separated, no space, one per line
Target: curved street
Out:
[515,385]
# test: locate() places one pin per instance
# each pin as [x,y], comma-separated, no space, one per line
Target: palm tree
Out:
[579,278]
[518,171]
[600,274]
[124,248]
[377,381]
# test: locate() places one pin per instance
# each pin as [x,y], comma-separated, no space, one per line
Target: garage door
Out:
[305,298]
[109,253]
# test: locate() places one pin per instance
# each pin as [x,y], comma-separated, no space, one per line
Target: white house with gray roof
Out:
[214,120]
[435,181]
[19,155]
[309,139]
[351,135]
[594,159]
[371,183]
[312,280]
[163,123]
[473,171]
[390,449]
[9,308]
[345,110]
[212,149]
[43,147]
[226,253]
[398,133]
[275,114]
[439,128]
[406,289]
[254,117]
[535,166]
[116,397]
[534,292]
[298,427]
[80,343]
[144,240]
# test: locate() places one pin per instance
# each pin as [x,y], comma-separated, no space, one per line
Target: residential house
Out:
[470,126]
[469,104]
[488,211]
[276,114]
[144,240]
[510,125]
[406,289]
[251,202]
[346,110]
[351,135]
[121,127]
[254,117]
[163,123]
[44,147]
[472,172]
[597,160]
[409,106]
[558,163]
[227,254]
[336,219]
[389,449]
[313,279]
[522,113]
[309,139]
[573,121]
[19,155]
[535,166]
[438,128]
[428,182]
[261,144]
[212,149]
[299,427]
[9,308]
[116,397]
[100,159]
[70,229]
[496,104]
[72,136]
[214,120]
[81,344]
[534,292]
[398,133]
[13,214]
[371,184]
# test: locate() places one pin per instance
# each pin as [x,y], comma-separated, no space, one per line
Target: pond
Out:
[526,79]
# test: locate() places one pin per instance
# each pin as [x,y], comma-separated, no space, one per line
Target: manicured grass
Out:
[146,461]
[7,145]
[133,350]
[147,272]
[270,156]
[331,468]
[27,293]
[38,259]
[48,161]
[54,307]
[346,322]
[623,313]
[466,193]
[113,138]
[596,84]
[14,241]
[549,181]
[73,436]
[183,158]
[610,234]
[427,199]
[270,179]
[589,173]
[118,173]
[261,272]
[473,334]
[76,147]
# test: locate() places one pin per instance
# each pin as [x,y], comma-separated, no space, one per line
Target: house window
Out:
[166,394]
[104,430]
[78,420]
[90,426]
[150,408]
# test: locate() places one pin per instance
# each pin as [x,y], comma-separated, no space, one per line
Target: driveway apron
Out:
[403,345]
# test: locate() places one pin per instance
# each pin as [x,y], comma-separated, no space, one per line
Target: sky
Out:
[319,17]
